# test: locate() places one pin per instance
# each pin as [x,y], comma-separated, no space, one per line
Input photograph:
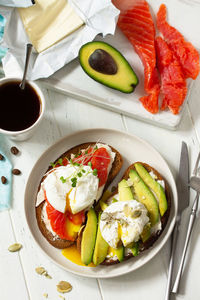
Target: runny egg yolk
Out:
[119,231]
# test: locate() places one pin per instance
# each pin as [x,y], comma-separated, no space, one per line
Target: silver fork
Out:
[195,177]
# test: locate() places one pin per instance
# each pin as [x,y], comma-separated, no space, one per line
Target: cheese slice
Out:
[49,21]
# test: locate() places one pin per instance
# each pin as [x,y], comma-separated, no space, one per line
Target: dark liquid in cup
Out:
[19,109]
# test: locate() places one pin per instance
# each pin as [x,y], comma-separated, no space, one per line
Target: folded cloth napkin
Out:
[3,50]
[6,171]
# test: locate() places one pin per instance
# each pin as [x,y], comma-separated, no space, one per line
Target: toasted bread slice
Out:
[55,240]
[149,243]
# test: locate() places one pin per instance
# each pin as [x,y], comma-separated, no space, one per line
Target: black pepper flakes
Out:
[1,157]
[14,150]
[16,171]
[3,179]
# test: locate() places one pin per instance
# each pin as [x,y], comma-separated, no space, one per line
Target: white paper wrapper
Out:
[99,17]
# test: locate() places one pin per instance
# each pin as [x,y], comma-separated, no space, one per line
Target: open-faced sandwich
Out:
[128,221]
[71,211]
[70,187]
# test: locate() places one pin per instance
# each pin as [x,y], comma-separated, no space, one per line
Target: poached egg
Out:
[60,191]
[123,221]
[58,186]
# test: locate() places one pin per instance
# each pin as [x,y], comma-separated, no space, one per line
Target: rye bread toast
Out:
[116,166]
[149,243]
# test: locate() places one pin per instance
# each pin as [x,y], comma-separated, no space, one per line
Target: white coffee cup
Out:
[28,132]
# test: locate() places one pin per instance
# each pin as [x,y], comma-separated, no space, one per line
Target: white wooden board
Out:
[73,81]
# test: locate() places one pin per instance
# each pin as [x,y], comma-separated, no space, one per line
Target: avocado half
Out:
[107,65]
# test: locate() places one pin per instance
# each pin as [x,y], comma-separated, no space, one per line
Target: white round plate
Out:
[132,149]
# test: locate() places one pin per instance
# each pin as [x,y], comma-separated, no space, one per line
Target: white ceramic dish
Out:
[132,149]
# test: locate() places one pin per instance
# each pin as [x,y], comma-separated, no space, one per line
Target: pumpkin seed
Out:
[42,271]
[64,287]
[15,247]
[45,295]
[136,213]
[47,275]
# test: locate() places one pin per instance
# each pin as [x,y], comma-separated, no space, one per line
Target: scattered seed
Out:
[1,157]
[16,171]
[64,287]
[47,275]
[136,213]
[15,247]
[3,179]
[42,271]
[45,295]
[14,150]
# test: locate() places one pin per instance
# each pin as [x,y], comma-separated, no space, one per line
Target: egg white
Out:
[122,226]
[80,197]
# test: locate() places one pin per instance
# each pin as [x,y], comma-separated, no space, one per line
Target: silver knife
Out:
[183,202]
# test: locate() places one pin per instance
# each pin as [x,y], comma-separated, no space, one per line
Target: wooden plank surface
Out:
[65,115]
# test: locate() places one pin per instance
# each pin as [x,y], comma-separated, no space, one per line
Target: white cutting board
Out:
[72,80]
[184,15]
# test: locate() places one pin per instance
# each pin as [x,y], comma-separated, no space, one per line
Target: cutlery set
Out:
[183,184]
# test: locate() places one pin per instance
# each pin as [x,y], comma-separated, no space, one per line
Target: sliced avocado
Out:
[107,65]
[114,200]
[154,186]
[135,248]
[146,233]
[89,237]
[119,252]
[103,205]
[125,193]
[145,196]
[101,246]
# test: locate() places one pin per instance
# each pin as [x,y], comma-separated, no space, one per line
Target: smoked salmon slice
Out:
[136,23]
[185,52]
[173,82]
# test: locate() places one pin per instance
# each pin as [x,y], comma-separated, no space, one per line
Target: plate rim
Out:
[107,130]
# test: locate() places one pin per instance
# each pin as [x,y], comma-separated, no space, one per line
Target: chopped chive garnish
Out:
[52,164]
[94,172]
[79,174]
[74,179]
[83,171]
[74,184]
[62,179]
[86,152]
[71,161]
[90,164]
[95,148]
[76,164]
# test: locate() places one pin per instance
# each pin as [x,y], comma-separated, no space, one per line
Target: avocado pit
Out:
[101,61]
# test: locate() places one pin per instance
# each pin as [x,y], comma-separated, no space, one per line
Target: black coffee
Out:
[19,109]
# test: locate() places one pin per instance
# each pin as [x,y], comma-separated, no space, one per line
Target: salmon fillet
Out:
[173,82]
[136,23]
[185,52]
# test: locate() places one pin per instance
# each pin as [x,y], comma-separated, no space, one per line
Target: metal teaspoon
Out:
[28,54]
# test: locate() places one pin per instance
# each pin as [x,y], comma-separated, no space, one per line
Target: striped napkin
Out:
[6,171]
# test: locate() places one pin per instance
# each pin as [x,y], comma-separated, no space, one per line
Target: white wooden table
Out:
[64,115]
